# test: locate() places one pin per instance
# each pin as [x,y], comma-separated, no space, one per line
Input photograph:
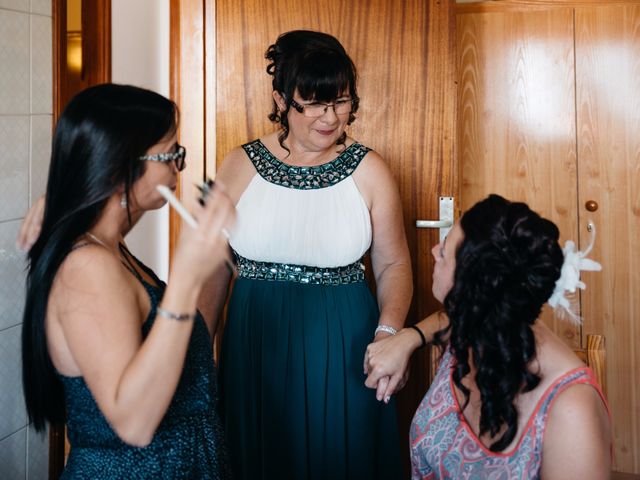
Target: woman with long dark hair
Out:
[108,348]
[510,399]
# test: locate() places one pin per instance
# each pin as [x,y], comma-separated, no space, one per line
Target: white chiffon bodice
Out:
[319,226]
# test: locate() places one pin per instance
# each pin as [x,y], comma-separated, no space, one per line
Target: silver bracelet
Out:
[174,316]
[385,328]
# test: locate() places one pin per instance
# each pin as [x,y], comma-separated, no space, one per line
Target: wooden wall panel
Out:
[608,100]
[516,116]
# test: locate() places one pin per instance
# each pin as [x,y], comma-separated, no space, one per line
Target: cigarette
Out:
[175,203]
[184,213]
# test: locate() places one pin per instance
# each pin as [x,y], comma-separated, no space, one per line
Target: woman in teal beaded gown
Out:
[108,348]
[311,202]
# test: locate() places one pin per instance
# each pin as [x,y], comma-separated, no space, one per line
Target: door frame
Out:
[96,56]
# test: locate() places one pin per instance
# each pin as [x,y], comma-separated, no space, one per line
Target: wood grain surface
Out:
[516,116]
[608,119]
[549,102]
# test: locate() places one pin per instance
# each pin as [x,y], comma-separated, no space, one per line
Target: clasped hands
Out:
[386,363]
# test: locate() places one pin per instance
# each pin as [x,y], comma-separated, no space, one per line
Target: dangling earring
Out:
[123,200]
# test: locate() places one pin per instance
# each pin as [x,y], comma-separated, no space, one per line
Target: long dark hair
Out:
[506,269]
[98,139]
[315,64]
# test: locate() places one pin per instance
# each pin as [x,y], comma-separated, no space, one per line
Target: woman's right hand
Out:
[202,250]
[31,226]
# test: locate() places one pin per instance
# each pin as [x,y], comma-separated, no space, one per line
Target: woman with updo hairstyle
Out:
[320,71]
[311,203]
[510,399]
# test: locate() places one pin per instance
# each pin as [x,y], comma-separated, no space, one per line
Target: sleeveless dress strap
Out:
[127,261]
[128,264]
[578,376]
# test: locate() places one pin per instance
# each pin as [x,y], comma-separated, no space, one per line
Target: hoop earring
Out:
[123,200]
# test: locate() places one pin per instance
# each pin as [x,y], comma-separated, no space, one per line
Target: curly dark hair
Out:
[317,66]
[506,269]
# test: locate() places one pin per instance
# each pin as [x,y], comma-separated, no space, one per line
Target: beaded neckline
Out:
[304,178]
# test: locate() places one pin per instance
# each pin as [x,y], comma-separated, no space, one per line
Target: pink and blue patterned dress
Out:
[443,446]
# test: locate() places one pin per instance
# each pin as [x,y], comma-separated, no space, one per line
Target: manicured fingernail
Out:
[386,399]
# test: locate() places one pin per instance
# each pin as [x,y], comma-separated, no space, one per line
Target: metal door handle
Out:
[433,223]
[445,222]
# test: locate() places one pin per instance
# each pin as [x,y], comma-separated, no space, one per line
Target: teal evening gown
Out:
[188,444]
[298,322]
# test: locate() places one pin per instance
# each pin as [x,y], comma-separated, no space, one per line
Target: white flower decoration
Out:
[569,281]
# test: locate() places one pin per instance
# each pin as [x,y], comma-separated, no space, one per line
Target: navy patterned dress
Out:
[188,444]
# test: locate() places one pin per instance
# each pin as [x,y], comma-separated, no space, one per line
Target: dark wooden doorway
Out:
[81,58]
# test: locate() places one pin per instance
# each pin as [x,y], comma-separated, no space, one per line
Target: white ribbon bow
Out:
[569,281]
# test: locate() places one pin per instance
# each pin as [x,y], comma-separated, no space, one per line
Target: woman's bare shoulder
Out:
[85,259]
[87,270]
[374,172]
[235,172]
[375,180]
[577,439]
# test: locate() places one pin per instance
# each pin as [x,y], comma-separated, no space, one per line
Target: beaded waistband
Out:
[284,272]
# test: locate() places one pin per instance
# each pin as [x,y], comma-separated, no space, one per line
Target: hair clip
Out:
[569,281]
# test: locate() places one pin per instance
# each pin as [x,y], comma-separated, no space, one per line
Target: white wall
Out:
[140,56]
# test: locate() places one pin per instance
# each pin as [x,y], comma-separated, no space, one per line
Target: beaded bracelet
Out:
[174,316]
[385,328]
[424,340]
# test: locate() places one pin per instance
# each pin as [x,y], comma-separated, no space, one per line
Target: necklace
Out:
[97,240]
[122,256]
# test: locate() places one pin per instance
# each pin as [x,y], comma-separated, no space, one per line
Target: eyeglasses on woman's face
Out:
[178,157]
[318,109]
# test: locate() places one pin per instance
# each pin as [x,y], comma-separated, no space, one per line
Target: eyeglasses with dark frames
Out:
[318,109]
[178,157]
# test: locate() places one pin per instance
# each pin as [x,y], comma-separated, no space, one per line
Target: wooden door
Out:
[608,119]
[90,33]
[516,111]
[549,102]
[404,52]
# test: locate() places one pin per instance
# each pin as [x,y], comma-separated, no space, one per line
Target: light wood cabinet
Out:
[549,113]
